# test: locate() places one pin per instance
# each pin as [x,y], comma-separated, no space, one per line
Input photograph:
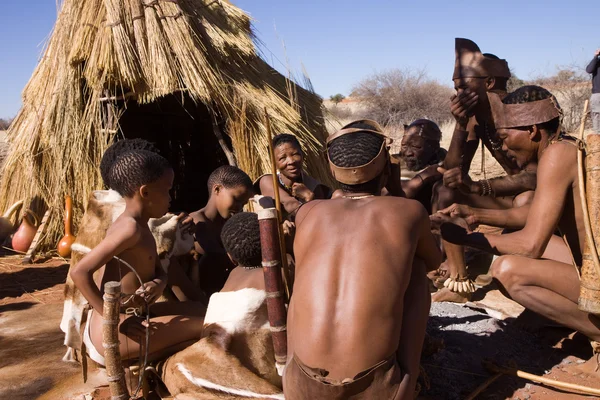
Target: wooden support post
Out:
[228,153]
[271,262]
[28,259]
[110,342]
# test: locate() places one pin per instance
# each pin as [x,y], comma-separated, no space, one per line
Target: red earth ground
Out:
[31,346]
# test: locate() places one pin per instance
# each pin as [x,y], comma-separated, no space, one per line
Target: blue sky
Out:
[341,42]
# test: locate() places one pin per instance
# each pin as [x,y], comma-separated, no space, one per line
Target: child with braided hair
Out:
[144,179]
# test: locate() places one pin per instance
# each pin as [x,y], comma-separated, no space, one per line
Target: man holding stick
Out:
[356,321]
[528,122]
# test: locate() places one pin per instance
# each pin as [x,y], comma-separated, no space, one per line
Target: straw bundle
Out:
[90,62]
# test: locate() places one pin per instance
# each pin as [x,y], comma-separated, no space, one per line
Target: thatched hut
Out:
[184,74]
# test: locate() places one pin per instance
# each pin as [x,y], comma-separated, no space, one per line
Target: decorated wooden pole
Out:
[284,264]
[271,262]
[589,191]
[110,342]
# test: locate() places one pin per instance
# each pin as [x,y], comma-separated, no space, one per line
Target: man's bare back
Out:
[354,259]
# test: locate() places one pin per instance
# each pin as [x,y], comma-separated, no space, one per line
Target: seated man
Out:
[295,187]
[475,74]
[236,351]
[357,318]
[528,122]
[420,155]
[229,188]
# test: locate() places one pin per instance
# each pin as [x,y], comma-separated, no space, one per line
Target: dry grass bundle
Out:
[101,50]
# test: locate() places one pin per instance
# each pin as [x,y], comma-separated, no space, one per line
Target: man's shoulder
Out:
[125,228]
[560,156]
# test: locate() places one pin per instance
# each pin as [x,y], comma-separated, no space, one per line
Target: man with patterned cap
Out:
[420,156]
[536,269]
[357,319]
[475,75]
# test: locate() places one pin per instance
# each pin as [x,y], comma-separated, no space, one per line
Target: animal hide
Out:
[104,207]
[235,357]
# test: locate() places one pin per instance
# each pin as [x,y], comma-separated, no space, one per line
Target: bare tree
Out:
[402,95]
[5,123]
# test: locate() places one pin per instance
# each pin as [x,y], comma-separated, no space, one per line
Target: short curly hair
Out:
[230,177]
[353,150]
[136,168]
[117,149]
[284,138]
[241,239]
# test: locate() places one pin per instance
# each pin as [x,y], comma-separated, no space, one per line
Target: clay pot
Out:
[64,245]
[24,235]
[6,226]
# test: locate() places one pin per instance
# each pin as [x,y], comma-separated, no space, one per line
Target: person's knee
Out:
[504,270]
[523,199]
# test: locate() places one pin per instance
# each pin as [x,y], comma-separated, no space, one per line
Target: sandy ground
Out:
[462,336]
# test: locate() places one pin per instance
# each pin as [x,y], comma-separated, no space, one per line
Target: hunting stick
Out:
[268,222]
[284,263]
[540,379]
[582,193]
[110,341]
[34,245]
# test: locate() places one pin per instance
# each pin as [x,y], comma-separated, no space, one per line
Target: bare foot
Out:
[483,280]
[439,276]
[445,294]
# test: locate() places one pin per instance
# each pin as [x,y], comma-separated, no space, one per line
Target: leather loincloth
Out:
[381,381]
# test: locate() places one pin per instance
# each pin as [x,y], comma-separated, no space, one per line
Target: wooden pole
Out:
[271,262]
[28,259]
[541,379]
[283,252]
[110,342]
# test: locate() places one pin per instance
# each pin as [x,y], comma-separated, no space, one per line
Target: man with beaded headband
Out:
[475,75]
[536,268]
[356,321]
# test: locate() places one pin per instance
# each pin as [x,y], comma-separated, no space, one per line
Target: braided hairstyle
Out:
[284,138]
[116,149]
[136,168]
[353,150]
[241,239]
[530,93]
[230,177]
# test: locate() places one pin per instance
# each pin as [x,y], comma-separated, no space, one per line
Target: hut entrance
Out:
[183,132]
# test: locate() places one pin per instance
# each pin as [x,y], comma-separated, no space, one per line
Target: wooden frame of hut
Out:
[184,74]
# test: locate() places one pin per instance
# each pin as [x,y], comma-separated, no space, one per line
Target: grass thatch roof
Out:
[141,50]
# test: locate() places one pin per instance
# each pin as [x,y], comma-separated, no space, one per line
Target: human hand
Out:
[456,179]
[462,106]
[186,222]
[461,211]
[439,218]
[454,233]
[299,190]
[597,53]
[152,290]
[289,228]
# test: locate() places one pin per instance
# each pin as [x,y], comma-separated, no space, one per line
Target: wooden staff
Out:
[110,342]
[28,259]
[540,379]
[271,262]
[283,252]
[589,296]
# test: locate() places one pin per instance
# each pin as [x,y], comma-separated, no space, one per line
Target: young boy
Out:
[229,189]
[144,179]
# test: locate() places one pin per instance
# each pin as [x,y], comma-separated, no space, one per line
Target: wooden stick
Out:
[228,153]
[483,386]
[110,342]
[540,379]
[36,239]
[271,262]
[284,263]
